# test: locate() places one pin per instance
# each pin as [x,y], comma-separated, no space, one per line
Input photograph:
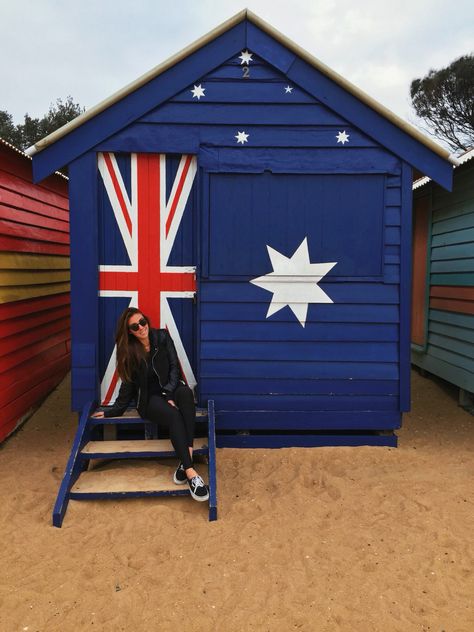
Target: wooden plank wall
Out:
[449,348]
[34,287]
[340,371]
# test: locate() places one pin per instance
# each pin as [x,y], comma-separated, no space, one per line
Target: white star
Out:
[241,137]
[246,57]
[294,281]
[288,90]
[342,137]
[198,91]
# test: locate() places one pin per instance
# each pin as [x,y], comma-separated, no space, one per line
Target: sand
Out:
[326,539]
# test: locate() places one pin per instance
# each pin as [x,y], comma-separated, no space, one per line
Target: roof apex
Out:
[245,14]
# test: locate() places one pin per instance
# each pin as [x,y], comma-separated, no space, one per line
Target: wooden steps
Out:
[128,480]
[132,468]
[135,448]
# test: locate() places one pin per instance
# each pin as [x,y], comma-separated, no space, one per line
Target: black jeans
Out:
[179,421]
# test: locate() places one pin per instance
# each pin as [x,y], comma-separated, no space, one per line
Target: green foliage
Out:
[32,130]
[445,100]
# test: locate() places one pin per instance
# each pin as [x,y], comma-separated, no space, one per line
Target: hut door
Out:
[146,252]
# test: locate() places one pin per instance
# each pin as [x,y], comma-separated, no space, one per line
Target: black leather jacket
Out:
[165,363]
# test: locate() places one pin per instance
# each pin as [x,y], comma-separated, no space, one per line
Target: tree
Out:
[8,129]
[34,129]
[445,100]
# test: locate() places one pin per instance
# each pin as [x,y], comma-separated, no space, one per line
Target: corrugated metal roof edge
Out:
[5,143]
[457,162]
[202,41]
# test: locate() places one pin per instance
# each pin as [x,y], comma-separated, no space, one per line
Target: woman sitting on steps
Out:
[148,366]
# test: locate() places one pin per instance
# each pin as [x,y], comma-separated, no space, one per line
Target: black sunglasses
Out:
[136,326]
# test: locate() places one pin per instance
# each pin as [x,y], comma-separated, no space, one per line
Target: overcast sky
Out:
[91,48]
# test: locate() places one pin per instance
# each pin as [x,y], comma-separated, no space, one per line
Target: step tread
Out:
[136,446]
[127,479]
[132,413]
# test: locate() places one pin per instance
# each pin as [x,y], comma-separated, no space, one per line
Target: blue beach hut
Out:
[257,205]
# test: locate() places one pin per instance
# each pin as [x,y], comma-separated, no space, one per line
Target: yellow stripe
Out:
[7,295]
[36,277]
[25,261]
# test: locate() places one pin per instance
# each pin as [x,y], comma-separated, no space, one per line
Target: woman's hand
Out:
[99,414]
[172,403]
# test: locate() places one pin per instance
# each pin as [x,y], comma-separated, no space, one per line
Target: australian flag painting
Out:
[143,200]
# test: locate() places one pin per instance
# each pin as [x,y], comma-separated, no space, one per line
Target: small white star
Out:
[198,91]
[246,57]
[288,90]
[294,281]
[241,137]
[342,137]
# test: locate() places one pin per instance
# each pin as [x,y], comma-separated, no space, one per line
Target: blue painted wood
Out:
[405,288]
[276,331]
[302,386]
[234,70]
[119,115]
[304,441]
[84,280]
[187,138]
[267,48]
[339,313]
[74,466]
[252,114]
[354,293]
[324,370]
[131,494]
[246,92]
[303,402]
[326,216]
[310,351]
[212,461]
[274,420]
[361,115]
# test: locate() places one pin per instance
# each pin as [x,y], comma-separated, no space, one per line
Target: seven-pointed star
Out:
[294,281]
[288,90]
[245,57]
[242,137]
[198,91]
[342,137]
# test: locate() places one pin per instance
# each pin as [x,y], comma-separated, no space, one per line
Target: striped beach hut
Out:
[443,279]
[257,205]
[34,287]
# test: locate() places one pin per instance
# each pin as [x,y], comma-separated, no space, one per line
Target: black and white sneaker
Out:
[179,477]
[198,489]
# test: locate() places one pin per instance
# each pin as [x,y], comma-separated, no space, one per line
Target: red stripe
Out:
[179,190]
[20,244]
[32,305]
[111,389]
[450,305]
[133,281]
[118,192]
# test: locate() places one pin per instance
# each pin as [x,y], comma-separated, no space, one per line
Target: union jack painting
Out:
[148,220]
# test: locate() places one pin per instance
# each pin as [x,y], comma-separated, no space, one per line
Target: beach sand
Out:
[324,539]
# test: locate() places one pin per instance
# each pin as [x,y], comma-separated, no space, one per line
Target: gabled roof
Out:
[461,160]
[224,41]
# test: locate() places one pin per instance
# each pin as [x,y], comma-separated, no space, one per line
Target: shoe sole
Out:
[178,482]
[200,499]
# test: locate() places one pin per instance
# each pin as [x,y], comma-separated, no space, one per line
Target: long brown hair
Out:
[130,351]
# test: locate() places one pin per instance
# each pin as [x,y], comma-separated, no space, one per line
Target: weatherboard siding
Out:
[448,349]
[347,357]
[34,287]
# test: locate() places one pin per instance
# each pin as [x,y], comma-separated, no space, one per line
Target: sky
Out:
[50,49]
